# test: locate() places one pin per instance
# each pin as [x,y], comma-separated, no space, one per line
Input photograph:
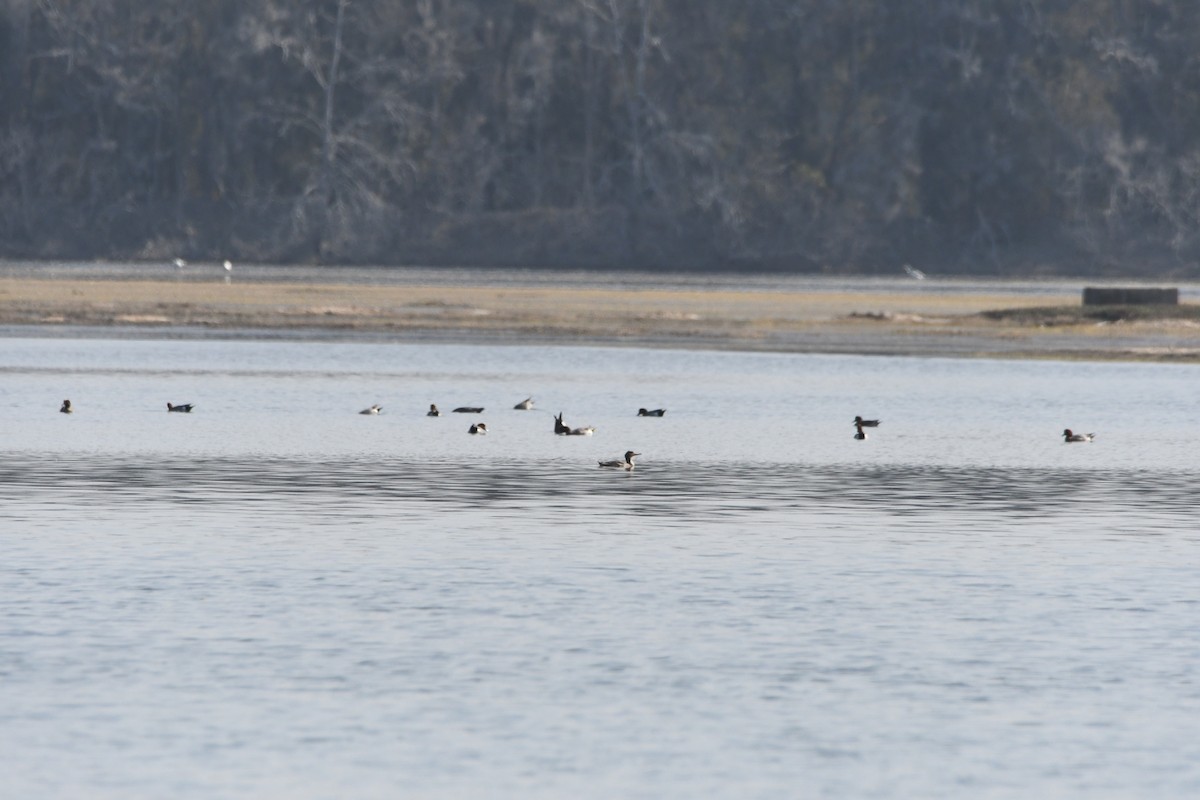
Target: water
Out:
[277,597]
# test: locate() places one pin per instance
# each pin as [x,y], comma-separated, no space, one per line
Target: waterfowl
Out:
[562,429]
[375,409]
[524,405]
[1077,437]
[228,265]
[433,411]
[180,263]
[657,412]
[866,423]
[183,408]
[627,464]
[467,410]
[66,407]
[477,428]
[859,434]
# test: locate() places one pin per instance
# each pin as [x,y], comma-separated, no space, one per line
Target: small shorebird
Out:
[524,405]
[468,410]
[859,433]
[1069,437]
[859,422]
[433,411]
[657,412]
[183,408]
[66,407]
[375,409]
[477,428]
[626,465]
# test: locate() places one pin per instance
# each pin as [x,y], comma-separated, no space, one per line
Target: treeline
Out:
[987,136]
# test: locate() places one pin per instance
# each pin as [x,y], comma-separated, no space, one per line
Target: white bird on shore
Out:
[228,265]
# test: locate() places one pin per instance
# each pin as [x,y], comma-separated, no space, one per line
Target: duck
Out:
[66,407]
[477,428]
[183,408]
[433,411]
[467,410]
[865,423]
[1069,437]
[562,429]
[626,465]
[859,433]
[656,412]
[375,409]
[524,405]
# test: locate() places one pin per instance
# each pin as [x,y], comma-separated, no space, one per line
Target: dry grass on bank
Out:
[868,322]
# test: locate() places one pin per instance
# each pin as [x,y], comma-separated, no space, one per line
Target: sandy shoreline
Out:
[861,322]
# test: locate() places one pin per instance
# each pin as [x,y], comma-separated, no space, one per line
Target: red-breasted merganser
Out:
[524,405]
[375,409]
[66,407]
[656,412]
[1069,437]
[866,423]
[433,411]
[627,464]
[477,428]
[562,429]
[859,433]
[467,410]
[183,408]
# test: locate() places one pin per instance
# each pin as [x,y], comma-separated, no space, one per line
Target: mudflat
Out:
[863,322]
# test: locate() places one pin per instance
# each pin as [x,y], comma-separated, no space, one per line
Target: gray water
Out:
[275,596]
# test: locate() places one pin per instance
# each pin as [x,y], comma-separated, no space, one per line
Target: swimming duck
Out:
[467,410]
[183,408]
[860,434]
[866,423]
[562,429]
[524,405]
[657,412]
[66,407]
[375,409]
[433,411]
[626,465]
[1077,437]
[477,428]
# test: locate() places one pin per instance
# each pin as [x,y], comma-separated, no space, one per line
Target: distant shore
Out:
[837,321]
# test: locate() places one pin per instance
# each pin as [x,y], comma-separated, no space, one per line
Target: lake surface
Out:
[275,596]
